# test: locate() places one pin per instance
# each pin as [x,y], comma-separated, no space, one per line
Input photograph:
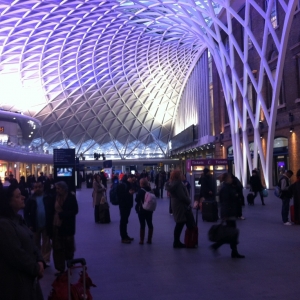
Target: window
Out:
[273,15]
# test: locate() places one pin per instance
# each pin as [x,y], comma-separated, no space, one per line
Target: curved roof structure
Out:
[107,76]
[103,76]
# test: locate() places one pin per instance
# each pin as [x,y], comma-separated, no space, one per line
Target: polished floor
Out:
[159,272]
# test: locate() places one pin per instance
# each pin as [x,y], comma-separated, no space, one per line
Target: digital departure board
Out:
[64,156]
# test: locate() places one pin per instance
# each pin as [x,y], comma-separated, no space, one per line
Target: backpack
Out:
[149,201]
[113,194]
[277,189]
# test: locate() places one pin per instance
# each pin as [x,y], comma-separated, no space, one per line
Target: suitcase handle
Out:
[72,262]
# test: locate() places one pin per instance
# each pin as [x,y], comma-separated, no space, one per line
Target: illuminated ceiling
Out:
[101,76]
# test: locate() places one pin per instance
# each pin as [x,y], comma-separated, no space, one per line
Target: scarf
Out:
[58,209]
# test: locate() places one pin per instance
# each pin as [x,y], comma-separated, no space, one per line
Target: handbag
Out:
[265,193]
[221,233]
[103,199]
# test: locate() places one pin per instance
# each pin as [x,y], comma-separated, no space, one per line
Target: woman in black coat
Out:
[21,263]
[181,206]
[229,202]
[145,216]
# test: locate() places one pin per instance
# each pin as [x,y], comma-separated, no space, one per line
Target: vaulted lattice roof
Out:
[99,74]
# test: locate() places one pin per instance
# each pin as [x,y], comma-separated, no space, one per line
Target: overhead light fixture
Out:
[291,129]
[261,135]
[222,145]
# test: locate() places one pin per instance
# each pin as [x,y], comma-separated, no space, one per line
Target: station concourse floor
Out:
[271,269]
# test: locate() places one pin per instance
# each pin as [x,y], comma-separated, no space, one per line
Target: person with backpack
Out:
[285,196]
[145,216]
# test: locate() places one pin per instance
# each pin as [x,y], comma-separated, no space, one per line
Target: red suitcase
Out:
[191,235]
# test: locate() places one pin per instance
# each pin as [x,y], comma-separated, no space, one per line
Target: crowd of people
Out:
[30,229]
[48,224]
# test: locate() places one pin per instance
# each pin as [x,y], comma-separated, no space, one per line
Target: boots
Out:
[234,252]
[142,236]
[150,233]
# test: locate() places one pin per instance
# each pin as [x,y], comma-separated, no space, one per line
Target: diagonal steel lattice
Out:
[110,74]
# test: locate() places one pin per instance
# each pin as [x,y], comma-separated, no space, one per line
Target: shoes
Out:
[263,204]
[178,245]
[237,255]
[241,218]
[130,238]
[126,241]
[287,223]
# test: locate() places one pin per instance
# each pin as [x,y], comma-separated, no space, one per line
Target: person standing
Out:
[61,226]
[98,192]
[294,191]
[285,196]
[21,264]
[125,193]
[256,186]
[145,216]
[229,201]
[160,181]
[181,206]
[36,214]
[208,185]
[239,189]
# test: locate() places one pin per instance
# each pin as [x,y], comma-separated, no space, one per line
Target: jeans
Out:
[145,217]
[285,209]
[124,213]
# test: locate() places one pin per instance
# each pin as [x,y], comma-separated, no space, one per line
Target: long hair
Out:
[6,195]
[176,175]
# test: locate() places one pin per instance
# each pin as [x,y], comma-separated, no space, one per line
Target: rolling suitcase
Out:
[250,199]
[191,235]
[63,289]
[104,214]
[210,211]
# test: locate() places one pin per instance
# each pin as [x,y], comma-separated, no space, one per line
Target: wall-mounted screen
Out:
[64,172]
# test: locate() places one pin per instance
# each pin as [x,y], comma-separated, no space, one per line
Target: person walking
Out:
[98,192]
[21,263]
[36,214]
[285,196]
[160,181]
[61,226]
[145,216]
[181,206]
[239,189]
[125,191]
[256,186]
[229,201]
[294,191]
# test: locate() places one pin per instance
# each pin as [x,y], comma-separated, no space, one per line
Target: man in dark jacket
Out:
[256,186]
[125,191]
[37,215]
[62,225]
[208,185]
[285,196]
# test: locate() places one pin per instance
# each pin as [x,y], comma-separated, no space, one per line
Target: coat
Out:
[255,183]
[19,259]
[294,191]
[31,209]
[98,192]
[67,216]
[180,200]
[229,201]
